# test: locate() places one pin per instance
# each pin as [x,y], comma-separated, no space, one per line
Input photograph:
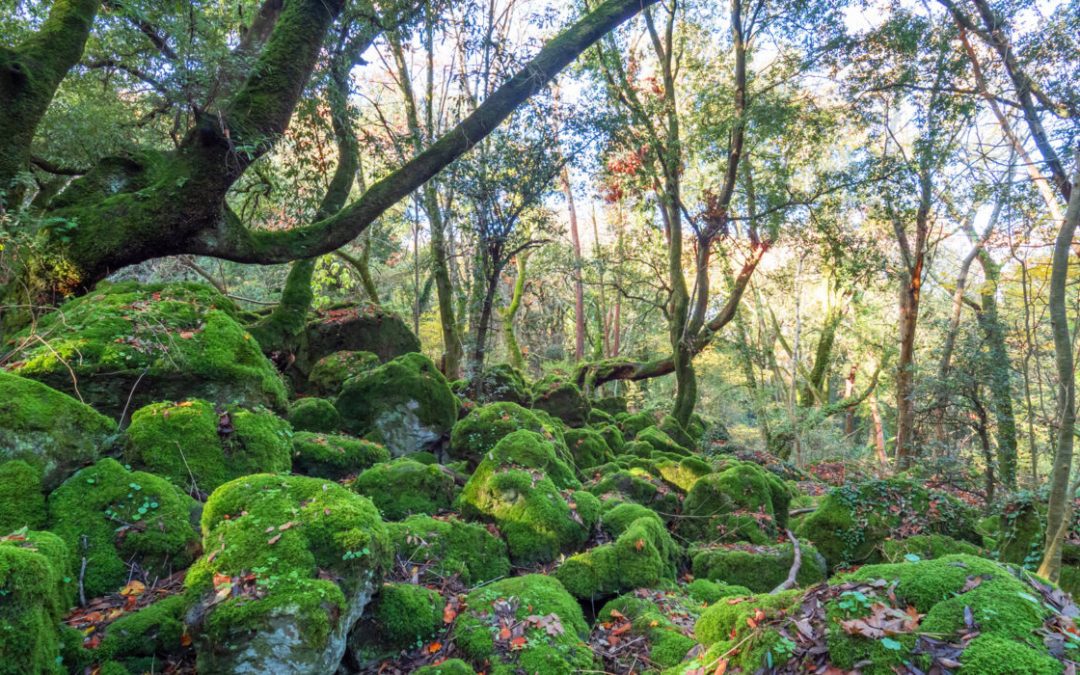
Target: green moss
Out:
[405,404]
[720,620]
[588,448]
[708,592]
[742,503]
[445,548]
[478,432]
[49,430]
[115,517]
[314,414]
[992,655]
[199,447]
[333,456]
[676,432]
[405,615]
[613,437]
[636,559]
[448,667]
[330,372]
[151,634]
[599,418]
[667,643]
[925,546]
[316,552]
[526,490]
[22,502]
[152,342]
[852,521]
[632,424]
[1020,539]
[403,487]
[502,382]
[660,441]
[684,472]
[759,568]
[615,483]
[612,405]
[477,628]
[35,590]
[563,400]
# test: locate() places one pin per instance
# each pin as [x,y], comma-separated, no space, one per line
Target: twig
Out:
[799,512]
[82,573]
[795,565]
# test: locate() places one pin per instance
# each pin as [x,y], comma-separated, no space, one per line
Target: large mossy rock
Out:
[441,549]
[401,616]
[743,502]
[334,456]
[538,602]
[36,589]
[129,345]
[114,518]
[758,568]
[656,618]
[363,328]
[331,371]
[588,448]
[405,487]
[958,613]
[141,640]
[642,556]
[626,482]
[49,430]
[474,435]
[501,382]
[199,446]
[852,521]
[562,400]
[314,414]
[405,404]
[532,496]
[290,565]
[22,500]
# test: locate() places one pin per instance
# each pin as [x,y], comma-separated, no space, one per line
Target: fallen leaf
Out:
[273,540]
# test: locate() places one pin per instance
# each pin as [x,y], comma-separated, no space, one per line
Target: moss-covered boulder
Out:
[48,429]
[401,616]
[357,328]
[562,400]
[331,371]
[404,487]
[554,628]
[442,549]
[129,344]
[612,405]
[741,503]
[638,558]
[334,456]
[924,547]
[588,448]
[140,641]
[853,520]
[660,441]
[447,667]
[22,501]
[684,472]
[663,620]
[36,589]
[115,518]
[291,562]
[405,404]
[598,417]
[759,568]
[501,382]
[620,482]
[199,446]
[478,432]
[676,432]
[631,425]
[314,414]
[613,437]
[530,494]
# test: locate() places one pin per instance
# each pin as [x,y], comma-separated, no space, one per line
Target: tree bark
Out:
[579,286]
[1060,499]
[517,359]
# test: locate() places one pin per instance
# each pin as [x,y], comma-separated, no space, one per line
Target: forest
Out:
[529,337]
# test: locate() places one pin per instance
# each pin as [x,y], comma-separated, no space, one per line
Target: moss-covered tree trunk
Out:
[517,359]
[1060,498]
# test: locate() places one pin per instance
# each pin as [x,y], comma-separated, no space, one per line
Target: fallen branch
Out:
[795,565]
[799,512]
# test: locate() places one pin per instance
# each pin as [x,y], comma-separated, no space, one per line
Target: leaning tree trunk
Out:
[1057,520]
[517,359]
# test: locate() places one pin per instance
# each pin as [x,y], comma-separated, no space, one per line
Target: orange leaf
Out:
[639,544]
[273,540]
[721,667]
[134,587]
[434,647]
[185,640]
[504,633]
[517,643]
[449,613]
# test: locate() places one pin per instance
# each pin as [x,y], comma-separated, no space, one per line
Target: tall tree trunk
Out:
[517,359]
[579,286]
[1060,499]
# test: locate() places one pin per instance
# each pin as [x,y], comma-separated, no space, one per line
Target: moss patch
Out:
[636,559]
[588,448]
[403,487]
[758,568]
[741,503]
[48,429]
[199,446]
[22,502]
[113,517]
[333,456]
[564,401]
[35,590]
[478,432]
[447,548]
[314,414]
[331,371]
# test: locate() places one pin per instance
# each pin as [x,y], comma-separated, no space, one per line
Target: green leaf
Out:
[911,557]
[889,643]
